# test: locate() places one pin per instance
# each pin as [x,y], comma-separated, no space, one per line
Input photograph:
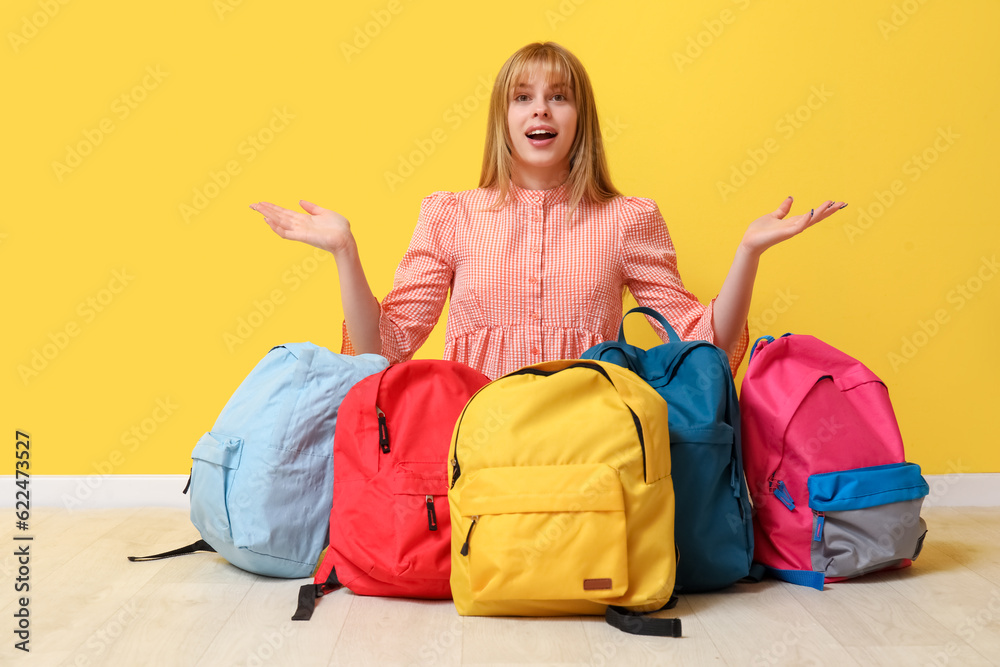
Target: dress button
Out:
[532,280]
[534,351]
[534,316]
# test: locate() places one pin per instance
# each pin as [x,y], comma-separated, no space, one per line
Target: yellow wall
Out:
[132,265]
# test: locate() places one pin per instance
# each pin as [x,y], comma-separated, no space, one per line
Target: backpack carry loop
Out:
[200,545]
[636,623]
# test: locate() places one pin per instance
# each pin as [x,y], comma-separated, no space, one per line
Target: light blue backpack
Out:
[262,479]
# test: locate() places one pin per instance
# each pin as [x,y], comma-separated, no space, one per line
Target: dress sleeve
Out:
[413,306]
[650,268]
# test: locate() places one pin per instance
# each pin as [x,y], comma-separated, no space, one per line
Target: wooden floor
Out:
[89,606]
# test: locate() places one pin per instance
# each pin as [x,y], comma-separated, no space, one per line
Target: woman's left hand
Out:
[773,228]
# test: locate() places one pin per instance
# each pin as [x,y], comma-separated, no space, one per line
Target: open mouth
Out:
[540,135]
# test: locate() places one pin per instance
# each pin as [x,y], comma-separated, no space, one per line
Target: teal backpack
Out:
[712,522]
[262,479]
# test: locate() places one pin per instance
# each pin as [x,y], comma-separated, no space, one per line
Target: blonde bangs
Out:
[552,64]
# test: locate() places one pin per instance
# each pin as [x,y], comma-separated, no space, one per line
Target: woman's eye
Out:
[559,97]
[521,98]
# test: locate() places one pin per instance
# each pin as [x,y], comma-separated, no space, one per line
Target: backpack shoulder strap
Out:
[309,592]
[200,545]
[637,623]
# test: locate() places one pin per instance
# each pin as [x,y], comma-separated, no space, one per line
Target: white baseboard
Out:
[102,491]
[970,489]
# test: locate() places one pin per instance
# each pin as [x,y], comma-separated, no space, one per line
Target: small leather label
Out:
[596,584]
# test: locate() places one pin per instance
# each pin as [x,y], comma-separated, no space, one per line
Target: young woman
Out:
[538,256]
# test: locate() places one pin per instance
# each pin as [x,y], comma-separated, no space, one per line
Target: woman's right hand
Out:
[318,227]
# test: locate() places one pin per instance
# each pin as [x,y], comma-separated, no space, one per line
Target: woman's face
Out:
[541,117]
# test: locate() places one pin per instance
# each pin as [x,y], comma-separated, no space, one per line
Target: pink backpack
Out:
[390,528]
[833,495]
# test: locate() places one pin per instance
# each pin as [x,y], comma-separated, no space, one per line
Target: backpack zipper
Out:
[432,522]
[465,545]
[820,520]
[383,431]
[780,492]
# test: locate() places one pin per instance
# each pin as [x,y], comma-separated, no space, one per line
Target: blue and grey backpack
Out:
[262,479]
[712,521]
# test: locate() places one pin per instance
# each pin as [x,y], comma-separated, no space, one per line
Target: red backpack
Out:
[390,531]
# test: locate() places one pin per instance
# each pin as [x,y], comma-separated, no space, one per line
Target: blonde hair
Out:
[588,178]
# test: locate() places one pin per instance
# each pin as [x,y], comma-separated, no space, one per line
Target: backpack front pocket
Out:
[215,459]
[420,505]
[866,519]
[545,533]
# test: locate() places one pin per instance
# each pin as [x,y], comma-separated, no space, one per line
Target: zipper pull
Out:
[782,494]
[820,519]
[455,471]
[383,431]
[432,522]
[465,546]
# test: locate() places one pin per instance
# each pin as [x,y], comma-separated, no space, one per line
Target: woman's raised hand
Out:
[318,227]
[773,228]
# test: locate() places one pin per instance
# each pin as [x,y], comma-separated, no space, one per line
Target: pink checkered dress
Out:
[526,286]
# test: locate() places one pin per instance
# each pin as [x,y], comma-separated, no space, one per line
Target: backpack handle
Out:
[753,348]
[769,339]
[671,334]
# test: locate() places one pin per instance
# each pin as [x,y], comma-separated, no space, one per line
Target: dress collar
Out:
[555,195]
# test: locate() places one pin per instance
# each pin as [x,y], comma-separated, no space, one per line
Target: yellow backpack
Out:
[561,498]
